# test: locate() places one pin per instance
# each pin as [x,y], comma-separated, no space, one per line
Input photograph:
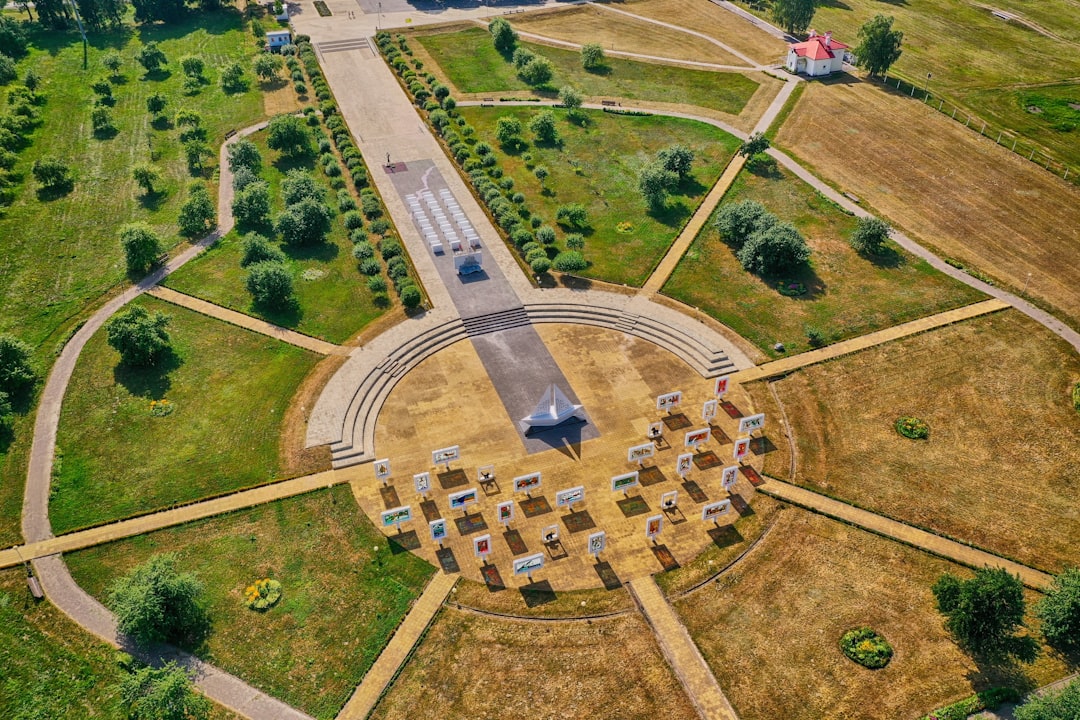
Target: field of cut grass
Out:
[229,387]
[325,277]
[615,31]
[1000,469]
[62,254]
[847,294]
[1046,114]
[714,21]
[471,64]
[969,51]
[946,186]
[343,592]
[469,666]
[770,628]
[597,165]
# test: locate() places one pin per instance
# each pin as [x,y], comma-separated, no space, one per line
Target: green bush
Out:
[988,699]
[1061,704]
[352,219]
[270,283]
[380,226]
[370,267]
[540,265]
[363,251]
[258,249]
[814,336]
[390,249]
[866,647]
[913,428]
[570,261]
[410,296]
[376,285]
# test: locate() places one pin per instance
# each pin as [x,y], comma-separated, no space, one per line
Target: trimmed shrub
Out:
[389,249]
[376,285]
[546,234]
[410,296]
[380,226]
[540,265]
[352,219]
[370,267]
[570,261]
[258,249]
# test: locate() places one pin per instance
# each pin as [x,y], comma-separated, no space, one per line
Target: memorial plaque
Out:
[731,474]
[528,565]
[708,410]
[597,542]
[437,528]
[461,500]
[382,469]
[752,423]
[563,498]
[396,516]
[742,448]
[697,437]
[640,452]
[685,462]
[653,526]
[422,482]
[482,546]
[714,510]
[443,456]
[527,483]
[720,385]
[622,483]
[669,401]
[504,511]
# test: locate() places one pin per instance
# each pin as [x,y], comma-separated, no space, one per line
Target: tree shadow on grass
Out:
[54,192]
[889,257]
[599,70]
[672,214]
[1005,670]
[106,133]
[302,161]
[150,382]
[804,274]
[152,201]
[322,252]
[288,315]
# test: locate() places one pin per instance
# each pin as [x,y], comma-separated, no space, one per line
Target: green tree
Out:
[508,130]
[679,159]
[157,603]
[410,296]
[543,127]
[195,151]
[164,693]
[572,215]
[592,56]
[101,120]
[879,45]
[739,220]
[983,613]
[502,35]
[270,283]
[755,144]
[771,250]
[258,249]
[537,71]
[197,214]
[192,65]
[244,154]
[299,185]
[17,374]
[1063,704]
[522,57]
[151,57]
[570,261]
[112,61]
[141,338]
[289,135]
[569,97]
[870,235]
[232,78]
[8,71]
[155,103]
[267,65]
[12,36]
[52,173]
[141,247]
[541,174]
[304,223]
[251,205]
[793,15]
[654,183]
[145,177]
[147,11]
[1059,612]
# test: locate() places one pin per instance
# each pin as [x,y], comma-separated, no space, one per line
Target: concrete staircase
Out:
[358,432]
[333,46]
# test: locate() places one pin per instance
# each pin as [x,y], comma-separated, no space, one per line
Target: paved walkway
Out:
[168,518]
[681,652]
[846,347]
[248,322]
[913,536]
[397,651]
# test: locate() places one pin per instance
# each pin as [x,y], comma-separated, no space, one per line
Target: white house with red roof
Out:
[819,55]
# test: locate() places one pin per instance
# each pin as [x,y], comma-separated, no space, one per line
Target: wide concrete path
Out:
[681,652]
[397,651]
[169,518]
[846,347]
[248,322]
[913,536]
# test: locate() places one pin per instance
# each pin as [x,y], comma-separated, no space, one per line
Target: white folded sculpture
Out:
[553,409]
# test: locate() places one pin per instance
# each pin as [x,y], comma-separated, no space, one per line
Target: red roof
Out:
[818,47]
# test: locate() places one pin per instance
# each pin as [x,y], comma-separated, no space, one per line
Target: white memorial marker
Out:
[653,526]
[422,482]
[715,510]
[597,543]
[505,512]
[638,453]
[567,498]
[720,386]
[622,483]
[382,469]
[730,476]
[443,456]
[437,528]
[742,448]
[396,516]
[708,410]
[669,401]
[482,547]
[749,424]
[684,464]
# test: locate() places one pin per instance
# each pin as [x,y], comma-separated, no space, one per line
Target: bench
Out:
[608,103]
[852,198]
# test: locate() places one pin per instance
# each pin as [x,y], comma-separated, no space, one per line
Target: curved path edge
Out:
[52,572]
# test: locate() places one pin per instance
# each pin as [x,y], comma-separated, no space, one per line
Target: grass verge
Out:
[229,387]
[343,592]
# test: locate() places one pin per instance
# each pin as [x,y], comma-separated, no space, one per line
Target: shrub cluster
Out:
[988,699]
[17,123]
[763,243]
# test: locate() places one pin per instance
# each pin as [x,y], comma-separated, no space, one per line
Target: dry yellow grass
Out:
[279,98]
[585,24]
[714,21]
[770,629]
[1001,468]
[946,185]
[469,666]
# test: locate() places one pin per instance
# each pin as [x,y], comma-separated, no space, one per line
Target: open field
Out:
[50,274]
[469,666]
[847,294]
[471,64]
[1046,114]
[341,597]
[229,388]
[770,628]
[584,24]
[1002,465]
[597,166]
[949,188]
[335,282]
[962,44]
[715,21]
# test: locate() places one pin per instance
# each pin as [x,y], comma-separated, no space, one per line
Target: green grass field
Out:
[473,65]
[609,152]
[977,60]
[847,294]
[229,387]
[334,285]
[53,269]
[341,598]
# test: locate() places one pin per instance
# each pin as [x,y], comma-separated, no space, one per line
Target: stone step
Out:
[496,321]
[333,46]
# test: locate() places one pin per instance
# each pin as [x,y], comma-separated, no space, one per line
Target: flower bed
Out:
[262,594]
[791,289]
[913,428]
[867,648]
